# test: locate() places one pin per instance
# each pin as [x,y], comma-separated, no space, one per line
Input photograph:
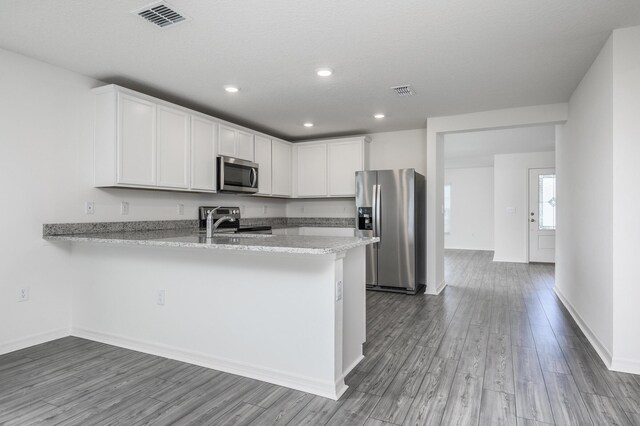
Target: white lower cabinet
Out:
[263,158]
[281,168]
[204,141]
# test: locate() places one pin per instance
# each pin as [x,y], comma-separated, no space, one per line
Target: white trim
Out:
[509,260]
[34,339]
[346,371]
[625,365]
[436,291]
[602,351]
[306,384]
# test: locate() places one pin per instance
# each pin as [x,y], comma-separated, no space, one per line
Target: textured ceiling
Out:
[459,55]
[476,149]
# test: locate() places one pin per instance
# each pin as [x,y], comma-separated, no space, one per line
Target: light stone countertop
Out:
[191,238]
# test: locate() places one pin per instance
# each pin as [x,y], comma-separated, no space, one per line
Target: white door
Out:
[542,215]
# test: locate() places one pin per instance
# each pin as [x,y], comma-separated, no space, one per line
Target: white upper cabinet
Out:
[244,146]
[280,169]
[345,159]
[311,170]
[173,146]
[136,150]
[203,154]
[327,168]
[263,158]
[235,143]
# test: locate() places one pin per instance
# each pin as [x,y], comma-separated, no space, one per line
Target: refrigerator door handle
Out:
[374,213]
[378,214]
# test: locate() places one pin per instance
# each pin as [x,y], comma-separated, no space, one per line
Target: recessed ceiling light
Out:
[379,116]
[324,72]
[308,124]
[232,89]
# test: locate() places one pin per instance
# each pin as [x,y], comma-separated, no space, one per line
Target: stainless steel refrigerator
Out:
[390,204]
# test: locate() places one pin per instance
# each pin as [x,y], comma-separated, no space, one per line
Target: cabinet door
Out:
[244,145]
[345,159]
[173,148]
[203,154]
[227,141]
[263,158]
[311,166]
[136,141]
[281,168]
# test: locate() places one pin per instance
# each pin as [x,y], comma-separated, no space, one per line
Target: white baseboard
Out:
[305,384]
[508,259]
[602,351]
[435,291]
[624,365]
[34,339]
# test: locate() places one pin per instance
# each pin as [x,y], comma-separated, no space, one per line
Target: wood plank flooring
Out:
[496,348]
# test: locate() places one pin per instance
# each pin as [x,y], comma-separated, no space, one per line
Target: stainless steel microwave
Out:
[235,175]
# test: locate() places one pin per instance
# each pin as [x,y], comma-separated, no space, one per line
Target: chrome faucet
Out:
[211,226]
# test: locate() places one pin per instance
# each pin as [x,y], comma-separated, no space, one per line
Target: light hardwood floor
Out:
[496,348]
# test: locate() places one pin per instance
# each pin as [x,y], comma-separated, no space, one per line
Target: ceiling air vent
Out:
[404,90]
[161,14]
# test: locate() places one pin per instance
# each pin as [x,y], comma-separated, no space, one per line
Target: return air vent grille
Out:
[161,14]
[404,90]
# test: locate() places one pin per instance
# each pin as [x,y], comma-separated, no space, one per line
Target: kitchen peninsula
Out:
[285,309]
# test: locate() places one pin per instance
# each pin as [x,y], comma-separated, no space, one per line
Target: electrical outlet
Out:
[160,297]
[124,208]
[338,290]
[265,210]
[89,207]
[23,294]
[180,209]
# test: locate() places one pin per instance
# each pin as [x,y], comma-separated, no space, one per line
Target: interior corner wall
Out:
[511,203]
[471,208]
[626,199]
[584,243]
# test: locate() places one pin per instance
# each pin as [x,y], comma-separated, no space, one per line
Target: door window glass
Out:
[547,202]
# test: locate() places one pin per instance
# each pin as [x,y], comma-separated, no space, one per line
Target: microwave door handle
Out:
[254,177]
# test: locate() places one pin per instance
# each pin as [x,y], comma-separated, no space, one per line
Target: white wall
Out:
[511,191]
[398,150]
[471,208]
[626,198]
[599,234]
[45,177]
[584,216]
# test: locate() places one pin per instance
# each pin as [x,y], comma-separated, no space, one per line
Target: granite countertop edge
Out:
[248,244]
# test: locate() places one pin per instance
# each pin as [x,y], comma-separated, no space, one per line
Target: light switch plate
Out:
[338,290]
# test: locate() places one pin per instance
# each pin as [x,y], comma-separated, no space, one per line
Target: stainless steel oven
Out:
[235,175]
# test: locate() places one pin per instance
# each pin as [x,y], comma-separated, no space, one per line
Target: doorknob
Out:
[533,220]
